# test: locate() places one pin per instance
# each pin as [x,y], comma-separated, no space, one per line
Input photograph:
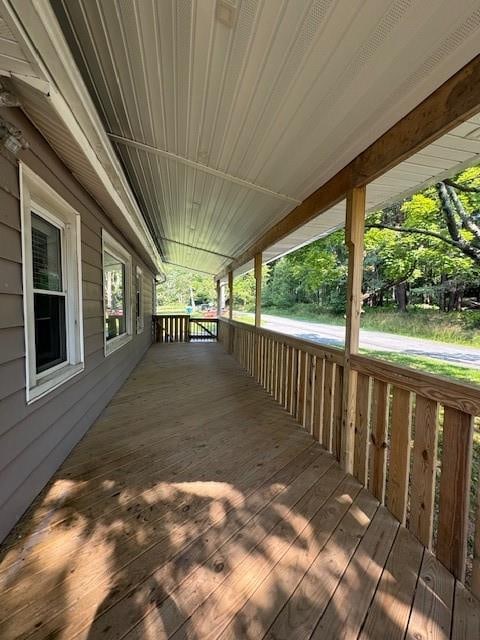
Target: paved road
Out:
[334,335]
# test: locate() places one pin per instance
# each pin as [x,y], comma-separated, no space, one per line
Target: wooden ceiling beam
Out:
[452,103]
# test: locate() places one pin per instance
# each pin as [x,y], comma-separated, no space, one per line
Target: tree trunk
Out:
[442,302]
[401,297]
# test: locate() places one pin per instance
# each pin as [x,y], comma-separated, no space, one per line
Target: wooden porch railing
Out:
[171,328]
[413,433]
[182,327]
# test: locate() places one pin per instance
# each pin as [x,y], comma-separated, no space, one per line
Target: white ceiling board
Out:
[282,94]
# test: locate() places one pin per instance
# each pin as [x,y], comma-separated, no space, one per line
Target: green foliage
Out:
[244,289]
[180,284]
[315,273]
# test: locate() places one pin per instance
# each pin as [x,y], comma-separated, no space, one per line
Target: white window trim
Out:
[37,196]
[154,296]
[140,318]
[113,247]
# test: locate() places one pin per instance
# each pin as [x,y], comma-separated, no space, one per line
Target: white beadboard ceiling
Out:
[226,113]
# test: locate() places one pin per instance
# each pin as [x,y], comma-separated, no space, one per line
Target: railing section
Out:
[171,328]
[203,329]
[184,328]
[413,433]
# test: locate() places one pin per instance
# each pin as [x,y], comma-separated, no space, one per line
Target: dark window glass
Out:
[114,291]
[139,298]
[46,255]
[50,334]
[49,310]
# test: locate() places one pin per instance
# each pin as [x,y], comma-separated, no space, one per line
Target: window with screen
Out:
[52,285]
[139,299]
[116,293]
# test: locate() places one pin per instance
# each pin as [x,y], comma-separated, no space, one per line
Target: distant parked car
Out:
[211,312]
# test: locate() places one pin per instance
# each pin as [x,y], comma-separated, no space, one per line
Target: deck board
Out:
[197,508]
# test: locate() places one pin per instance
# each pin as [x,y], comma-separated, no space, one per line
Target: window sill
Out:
[116,343]
[55,380]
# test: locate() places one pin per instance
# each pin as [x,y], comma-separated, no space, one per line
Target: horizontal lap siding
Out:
[35,439]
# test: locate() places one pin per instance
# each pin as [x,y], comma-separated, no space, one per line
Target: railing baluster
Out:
[264,361]
[291,354]
[318,399]
[476,549]
[362,429]
[295,353]
[275,370]
[399,467]
[423,470]
[378,445]
[270,364]
[285,376]
[267,363]
[337,412]
[302,363]
[328,391]
[310,381]
[455,490]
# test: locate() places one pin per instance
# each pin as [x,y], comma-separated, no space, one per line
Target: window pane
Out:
[114,289]
[46,255]
[50,334]
[139,295]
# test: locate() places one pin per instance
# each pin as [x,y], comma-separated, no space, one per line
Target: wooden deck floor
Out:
[197,508]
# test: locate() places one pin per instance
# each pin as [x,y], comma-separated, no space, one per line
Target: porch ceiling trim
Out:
[452,103]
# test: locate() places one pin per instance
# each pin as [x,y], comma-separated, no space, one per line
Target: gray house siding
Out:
[36,438]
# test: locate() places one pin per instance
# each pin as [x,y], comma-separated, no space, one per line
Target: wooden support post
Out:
[230,295]
[354,235]
[258,288]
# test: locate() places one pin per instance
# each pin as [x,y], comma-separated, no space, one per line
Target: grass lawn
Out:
[429,365]
[246,318]
[456,327]
[177,309]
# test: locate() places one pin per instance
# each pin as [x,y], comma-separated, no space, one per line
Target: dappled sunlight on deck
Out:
[197,508]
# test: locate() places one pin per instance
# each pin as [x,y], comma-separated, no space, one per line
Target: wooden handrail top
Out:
[333,354]
[171,315]
[183,315]
[448,392]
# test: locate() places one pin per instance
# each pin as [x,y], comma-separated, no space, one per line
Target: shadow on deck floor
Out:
[196,508]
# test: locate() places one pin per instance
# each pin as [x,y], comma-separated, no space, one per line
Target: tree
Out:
[175,291]
[439,232]
[244,289]
[457,213]
[316,273]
